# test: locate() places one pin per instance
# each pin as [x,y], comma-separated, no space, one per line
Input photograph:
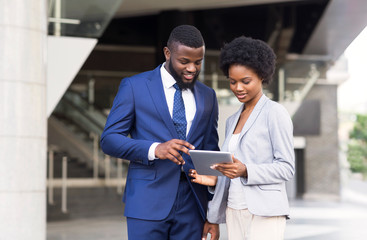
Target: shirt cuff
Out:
[151,153]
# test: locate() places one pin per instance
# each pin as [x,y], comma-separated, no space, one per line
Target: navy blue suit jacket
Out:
[140,109]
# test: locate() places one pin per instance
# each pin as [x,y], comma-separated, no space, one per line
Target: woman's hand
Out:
[202,179]
[232,170]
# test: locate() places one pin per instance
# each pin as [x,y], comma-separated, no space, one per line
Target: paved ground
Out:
[345,220]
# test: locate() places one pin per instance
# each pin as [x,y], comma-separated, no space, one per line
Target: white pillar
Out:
[23,121]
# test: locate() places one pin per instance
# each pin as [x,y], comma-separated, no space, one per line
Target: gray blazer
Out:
[266,147]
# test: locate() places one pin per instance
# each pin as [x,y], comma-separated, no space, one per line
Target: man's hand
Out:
[170,150]
[211,228]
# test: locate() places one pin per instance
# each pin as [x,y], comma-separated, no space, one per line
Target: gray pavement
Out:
[314,220]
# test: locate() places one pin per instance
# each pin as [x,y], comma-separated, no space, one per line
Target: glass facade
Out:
[82,18]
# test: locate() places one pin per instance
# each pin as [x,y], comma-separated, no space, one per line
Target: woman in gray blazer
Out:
[252,197]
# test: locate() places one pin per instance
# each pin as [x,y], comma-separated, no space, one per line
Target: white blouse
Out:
[236,195]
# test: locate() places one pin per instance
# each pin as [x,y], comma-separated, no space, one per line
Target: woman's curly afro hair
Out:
[252,53]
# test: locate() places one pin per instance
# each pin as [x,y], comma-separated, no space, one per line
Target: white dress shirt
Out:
[169,91]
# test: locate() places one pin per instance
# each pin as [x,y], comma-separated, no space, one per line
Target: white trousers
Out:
[242,225]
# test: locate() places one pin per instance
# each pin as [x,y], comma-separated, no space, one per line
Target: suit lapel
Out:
[250,121]
[229,131]
[155,87]
[252,118]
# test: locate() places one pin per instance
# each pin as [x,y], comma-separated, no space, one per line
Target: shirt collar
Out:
[167,79]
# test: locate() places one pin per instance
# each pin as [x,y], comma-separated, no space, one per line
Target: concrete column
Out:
[322,171]
[23,36]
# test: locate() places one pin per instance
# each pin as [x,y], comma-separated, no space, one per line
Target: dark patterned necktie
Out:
[178,113]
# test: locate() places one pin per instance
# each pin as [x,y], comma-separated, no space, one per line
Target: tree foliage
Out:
[357,149]
[360,129]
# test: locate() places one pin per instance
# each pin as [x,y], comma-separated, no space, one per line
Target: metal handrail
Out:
[99,126]
[64,182]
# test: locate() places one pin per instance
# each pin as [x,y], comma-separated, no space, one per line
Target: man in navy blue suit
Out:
[160,201]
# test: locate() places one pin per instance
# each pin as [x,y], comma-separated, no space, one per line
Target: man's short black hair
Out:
[252,53]
[187,35]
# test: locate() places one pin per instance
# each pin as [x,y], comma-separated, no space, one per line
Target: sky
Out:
[352,94]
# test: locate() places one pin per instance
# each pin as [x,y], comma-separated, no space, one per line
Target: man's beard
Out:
[183,85]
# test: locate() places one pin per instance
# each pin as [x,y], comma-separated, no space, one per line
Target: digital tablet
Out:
[203,159]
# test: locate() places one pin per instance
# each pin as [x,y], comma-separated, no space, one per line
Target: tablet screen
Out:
[203,159]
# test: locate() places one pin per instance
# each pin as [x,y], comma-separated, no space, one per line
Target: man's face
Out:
[184,64]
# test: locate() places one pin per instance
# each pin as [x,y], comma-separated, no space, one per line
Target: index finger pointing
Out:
[188,145]
[185,144]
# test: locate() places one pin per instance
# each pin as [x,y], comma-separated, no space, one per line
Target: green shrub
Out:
[357,158]
[357,148]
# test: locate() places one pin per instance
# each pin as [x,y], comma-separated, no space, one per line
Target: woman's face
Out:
[245,84]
